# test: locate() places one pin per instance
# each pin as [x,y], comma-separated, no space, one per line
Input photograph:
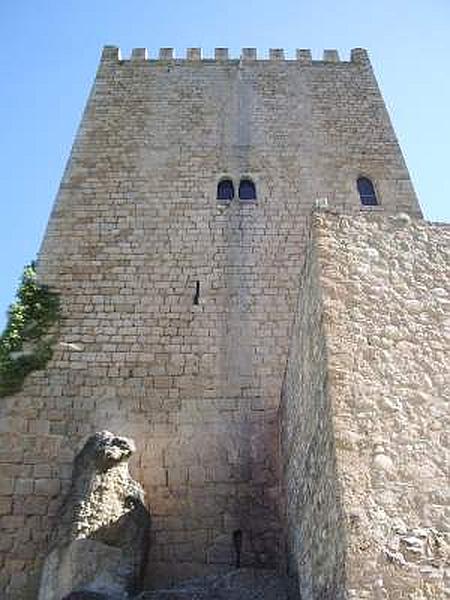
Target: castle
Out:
[250,292]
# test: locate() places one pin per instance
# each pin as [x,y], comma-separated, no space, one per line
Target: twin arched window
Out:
[366,192]
[247,190]
[225,190]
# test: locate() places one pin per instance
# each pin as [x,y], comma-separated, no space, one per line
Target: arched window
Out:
[366,192]
[225,190]
[247,190]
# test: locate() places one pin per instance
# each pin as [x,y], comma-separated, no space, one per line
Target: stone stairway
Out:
[240,584]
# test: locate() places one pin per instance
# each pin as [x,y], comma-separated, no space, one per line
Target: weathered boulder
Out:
[99,545]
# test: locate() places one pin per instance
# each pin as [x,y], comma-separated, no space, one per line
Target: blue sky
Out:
[51,50]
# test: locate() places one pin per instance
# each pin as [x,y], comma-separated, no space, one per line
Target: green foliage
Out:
[26,343]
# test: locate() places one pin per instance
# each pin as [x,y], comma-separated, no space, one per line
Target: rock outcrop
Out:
[99,545]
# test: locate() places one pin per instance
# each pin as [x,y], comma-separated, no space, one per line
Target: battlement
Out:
[302,55]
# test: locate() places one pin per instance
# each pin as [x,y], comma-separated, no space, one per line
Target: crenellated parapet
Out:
[302,56]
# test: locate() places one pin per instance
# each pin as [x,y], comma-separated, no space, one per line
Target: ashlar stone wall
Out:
[370,363]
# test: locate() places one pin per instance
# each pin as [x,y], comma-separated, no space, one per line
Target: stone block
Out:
[5,506]
[276,54]
[36,505]
[138,54]
[331,56]
[221,53]
[304,55]
[6,486]
[48,487]
[23,487]
[248,54]
[166,54]
[194,54]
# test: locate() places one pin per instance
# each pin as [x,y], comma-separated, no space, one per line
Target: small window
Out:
[225,190]
[366,192]
[247,190]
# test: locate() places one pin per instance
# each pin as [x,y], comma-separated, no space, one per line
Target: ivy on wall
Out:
[27,341]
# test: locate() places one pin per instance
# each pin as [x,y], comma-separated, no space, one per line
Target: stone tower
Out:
[179,305]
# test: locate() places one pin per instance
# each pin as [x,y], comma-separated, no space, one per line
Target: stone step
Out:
[240,584]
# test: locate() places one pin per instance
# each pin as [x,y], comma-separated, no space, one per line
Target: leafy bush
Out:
[26,344]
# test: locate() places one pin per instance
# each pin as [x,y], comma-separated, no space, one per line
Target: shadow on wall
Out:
[314,519]
[99,546]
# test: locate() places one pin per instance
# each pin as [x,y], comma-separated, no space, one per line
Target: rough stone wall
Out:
[136,225]
[314,532]
[383,314]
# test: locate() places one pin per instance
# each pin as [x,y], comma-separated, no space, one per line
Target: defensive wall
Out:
[364,414]
[178,309]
